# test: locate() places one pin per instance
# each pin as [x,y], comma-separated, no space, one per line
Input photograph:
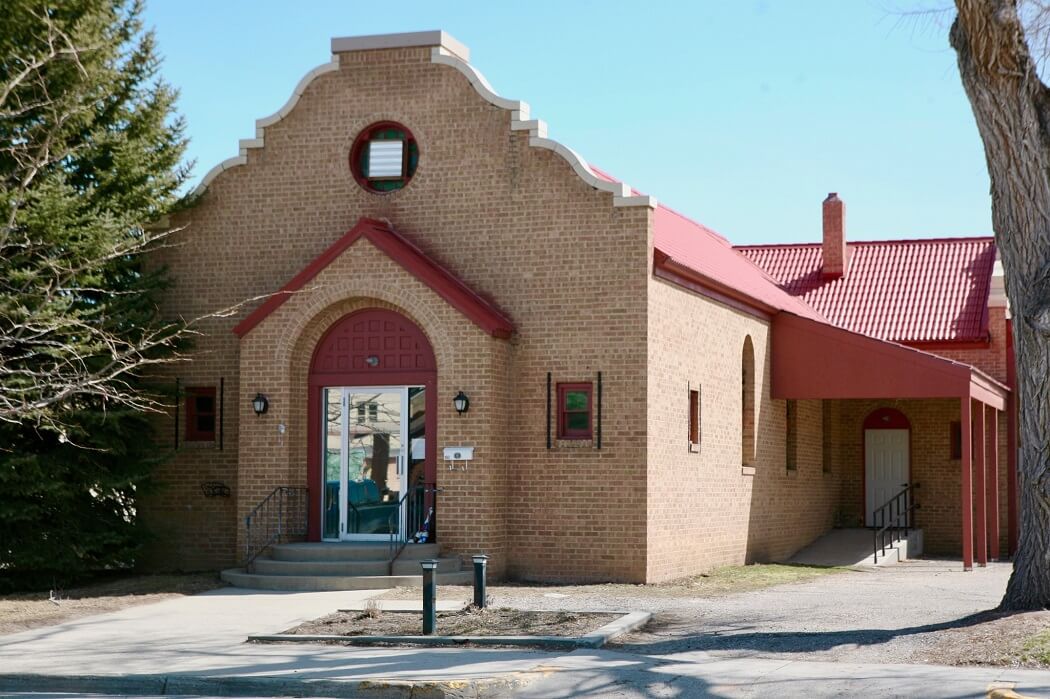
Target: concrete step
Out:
[319,583]
[855,547]
[269,566]
[410,566]
[348,551]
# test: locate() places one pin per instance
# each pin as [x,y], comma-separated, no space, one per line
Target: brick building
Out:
[452,328]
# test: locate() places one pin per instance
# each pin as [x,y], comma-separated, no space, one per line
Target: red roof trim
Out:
[669,270]
[853,365]
[411,258]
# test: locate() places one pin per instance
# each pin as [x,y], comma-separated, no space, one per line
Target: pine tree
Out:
[90,163]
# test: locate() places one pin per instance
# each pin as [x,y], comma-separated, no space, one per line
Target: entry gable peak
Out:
[408,256]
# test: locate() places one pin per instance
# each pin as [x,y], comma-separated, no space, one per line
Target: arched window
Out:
[747,403]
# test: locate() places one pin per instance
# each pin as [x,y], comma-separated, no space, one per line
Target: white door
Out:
[885,467]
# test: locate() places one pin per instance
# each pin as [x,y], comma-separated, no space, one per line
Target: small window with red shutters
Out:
[200,414]
[574,410]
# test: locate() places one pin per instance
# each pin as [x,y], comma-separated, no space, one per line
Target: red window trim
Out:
[192,433]
[563,428]
[361,143]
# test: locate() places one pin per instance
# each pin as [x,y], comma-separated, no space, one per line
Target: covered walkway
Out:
[817,361]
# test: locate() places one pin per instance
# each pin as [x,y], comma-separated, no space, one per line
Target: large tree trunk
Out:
[1012,109]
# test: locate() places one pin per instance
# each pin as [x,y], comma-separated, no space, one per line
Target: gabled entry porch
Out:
[360,356]
[899,417]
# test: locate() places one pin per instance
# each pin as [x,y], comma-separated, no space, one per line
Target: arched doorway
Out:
[371,420]
[887,458]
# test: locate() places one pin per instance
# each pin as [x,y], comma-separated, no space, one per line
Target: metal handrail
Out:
[279,516]
[888,518]
[410,510]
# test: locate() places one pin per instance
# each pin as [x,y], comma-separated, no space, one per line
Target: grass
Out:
[22,611]
[731,579]
[1036,650]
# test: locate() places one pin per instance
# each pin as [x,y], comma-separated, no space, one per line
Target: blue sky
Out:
[742,115]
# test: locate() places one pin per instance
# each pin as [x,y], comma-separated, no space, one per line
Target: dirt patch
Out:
[719,582]
[994,638]
[20,612]
[467,622]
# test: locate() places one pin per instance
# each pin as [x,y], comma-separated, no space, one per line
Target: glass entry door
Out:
[373,440]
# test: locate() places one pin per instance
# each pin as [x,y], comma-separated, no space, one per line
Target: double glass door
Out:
[374,448]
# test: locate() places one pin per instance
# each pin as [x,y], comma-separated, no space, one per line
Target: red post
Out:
[981,528]
[993,483]
[966,485]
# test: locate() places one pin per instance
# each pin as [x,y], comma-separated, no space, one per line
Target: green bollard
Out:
[429,597]
[480,561]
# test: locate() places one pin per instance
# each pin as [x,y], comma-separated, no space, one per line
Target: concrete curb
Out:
[596,639]
[271,686]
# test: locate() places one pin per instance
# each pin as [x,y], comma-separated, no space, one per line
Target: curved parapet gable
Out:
[622,193]
[260,126]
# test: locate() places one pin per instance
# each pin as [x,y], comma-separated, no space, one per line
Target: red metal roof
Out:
[692,245]
[910,291]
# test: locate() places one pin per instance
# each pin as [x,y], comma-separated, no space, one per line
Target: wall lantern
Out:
[461,402]
[259,404]
[372,361]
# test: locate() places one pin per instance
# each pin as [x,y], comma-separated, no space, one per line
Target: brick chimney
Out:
[835,260]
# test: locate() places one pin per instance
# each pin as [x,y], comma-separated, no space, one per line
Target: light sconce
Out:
[260,404]
[372,360]
[461,403]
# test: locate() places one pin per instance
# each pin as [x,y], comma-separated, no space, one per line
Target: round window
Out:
[384,157]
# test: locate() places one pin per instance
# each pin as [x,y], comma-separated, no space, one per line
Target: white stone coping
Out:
[244,145]
[537,130]
[344,44]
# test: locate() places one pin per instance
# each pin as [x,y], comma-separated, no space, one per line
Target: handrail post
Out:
[280,513]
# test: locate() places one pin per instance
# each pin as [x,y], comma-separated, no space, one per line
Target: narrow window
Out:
[955,436]
[826,436]
[574,410]
[694,417]
[200,414]
[792,435]
[747,403]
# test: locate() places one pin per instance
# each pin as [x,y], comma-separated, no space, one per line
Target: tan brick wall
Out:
[518,226]
[932,468]
[705,508]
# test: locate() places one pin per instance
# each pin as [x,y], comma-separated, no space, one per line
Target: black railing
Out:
[413,520]
[281,516]
[893,519]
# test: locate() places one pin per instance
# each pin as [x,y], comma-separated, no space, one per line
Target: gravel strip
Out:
[914,612]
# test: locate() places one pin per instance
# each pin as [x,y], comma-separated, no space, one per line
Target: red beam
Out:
[993,484]
[966,486]
[981,528]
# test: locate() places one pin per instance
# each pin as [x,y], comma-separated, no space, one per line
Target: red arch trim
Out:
[886,419]
[405,358]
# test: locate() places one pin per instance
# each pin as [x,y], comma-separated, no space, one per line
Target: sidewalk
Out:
[197,643]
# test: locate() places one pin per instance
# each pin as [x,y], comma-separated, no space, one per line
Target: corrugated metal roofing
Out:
[909,291]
